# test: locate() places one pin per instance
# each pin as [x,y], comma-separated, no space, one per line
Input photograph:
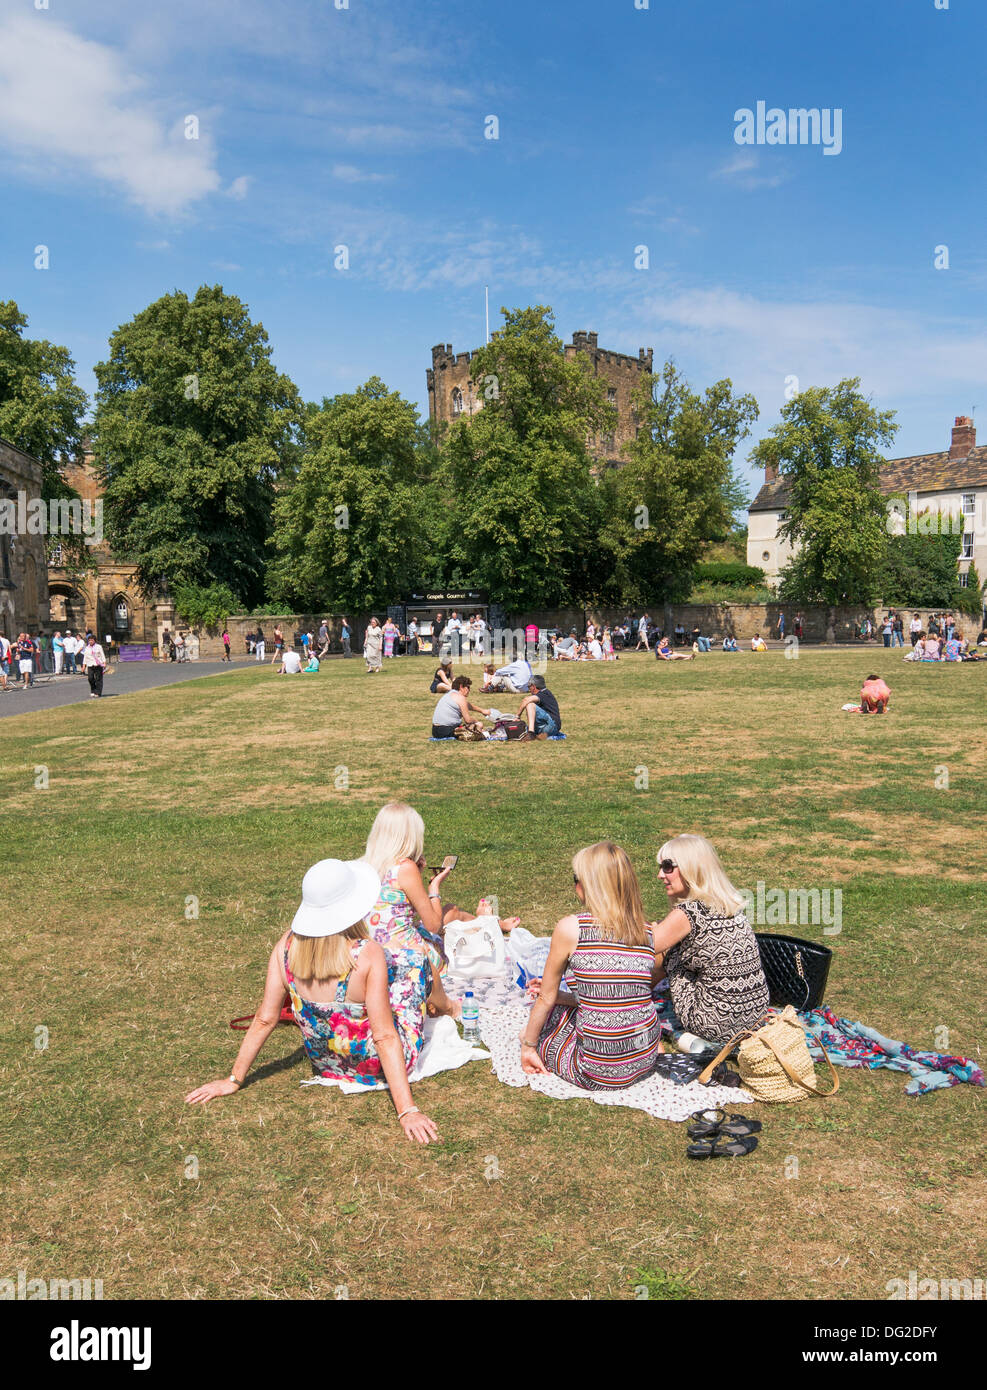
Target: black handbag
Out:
[796,971]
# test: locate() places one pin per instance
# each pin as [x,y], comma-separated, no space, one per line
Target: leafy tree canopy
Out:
[194,427]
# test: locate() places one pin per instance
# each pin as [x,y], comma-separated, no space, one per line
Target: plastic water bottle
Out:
[471,1018]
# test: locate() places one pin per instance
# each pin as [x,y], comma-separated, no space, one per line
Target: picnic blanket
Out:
[850,1044]
[503,1010]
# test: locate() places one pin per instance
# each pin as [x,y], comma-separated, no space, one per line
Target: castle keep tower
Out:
[451,393]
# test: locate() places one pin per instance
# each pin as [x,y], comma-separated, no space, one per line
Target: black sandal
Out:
[705,1123]
[722,1146]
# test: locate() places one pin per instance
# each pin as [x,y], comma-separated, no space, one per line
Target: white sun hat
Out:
[336,894]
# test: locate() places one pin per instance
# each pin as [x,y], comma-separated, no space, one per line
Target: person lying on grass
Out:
[711,955]
[663,652]
[406,915]
[361,1012]
[606,1034]
[454,708]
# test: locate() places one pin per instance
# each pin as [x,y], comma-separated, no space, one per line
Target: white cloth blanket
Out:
[443,1050]
[503,1011]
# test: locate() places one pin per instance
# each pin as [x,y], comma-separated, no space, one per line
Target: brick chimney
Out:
[964,437]
[770,472]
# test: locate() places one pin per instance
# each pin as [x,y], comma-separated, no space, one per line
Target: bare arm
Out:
[427,904]
[565,939]
[389,1050]
[264,1023]
[671,930]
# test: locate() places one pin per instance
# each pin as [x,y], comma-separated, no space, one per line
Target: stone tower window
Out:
[611,395]
[121,614]
[457,401]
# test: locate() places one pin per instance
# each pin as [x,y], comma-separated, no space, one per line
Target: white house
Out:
[953,482]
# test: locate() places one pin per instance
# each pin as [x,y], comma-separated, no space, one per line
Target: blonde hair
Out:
[397,833]
[704,876]
[324,957]
[612,892]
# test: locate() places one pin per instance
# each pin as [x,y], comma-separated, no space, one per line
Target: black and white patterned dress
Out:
[715,976]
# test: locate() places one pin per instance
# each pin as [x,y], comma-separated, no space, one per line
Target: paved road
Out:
[126,678]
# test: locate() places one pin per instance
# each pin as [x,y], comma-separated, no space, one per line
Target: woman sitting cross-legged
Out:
[361,1011]
[607,1034]
[442,679]
[406,915]
[454,708]
[711,955]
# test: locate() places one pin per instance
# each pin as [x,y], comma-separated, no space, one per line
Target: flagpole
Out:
[486,299]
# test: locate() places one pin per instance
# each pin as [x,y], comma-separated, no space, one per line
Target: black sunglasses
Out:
[667,865]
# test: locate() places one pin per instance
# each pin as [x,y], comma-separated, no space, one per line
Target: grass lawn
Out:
[229,787]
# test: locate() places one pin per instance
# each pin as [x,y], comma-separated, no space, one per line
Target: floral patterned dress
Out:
[337,1036]
[392,922]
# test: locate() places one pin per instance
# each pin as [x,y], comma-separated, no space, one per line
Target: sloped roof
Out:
[917,473]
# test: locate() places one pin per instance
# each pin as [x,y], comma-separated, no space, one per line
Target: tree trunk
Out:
[831,626]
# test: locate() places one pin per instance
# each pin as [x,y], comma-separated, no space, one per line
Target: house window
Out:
[765,554]
[457,401]
[611,395]
[964,579]
[967,551]
[969,503]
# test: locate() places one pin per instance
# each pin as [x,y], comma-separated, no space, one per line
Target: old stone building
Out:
[452,392]
[23,580]
[108,600]
[951,483]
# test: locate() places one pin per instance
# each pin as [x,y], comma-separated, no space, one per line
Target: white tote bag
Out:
[475,949]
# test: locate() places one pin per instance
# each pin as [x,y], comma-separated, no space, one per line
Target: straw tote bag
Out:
[774,1062]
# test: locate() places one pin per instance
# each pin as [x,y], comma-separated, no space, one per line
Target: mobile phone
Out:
[449,862]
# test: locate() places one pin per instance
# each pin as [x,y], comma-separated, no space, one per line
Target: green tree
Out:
[194,427]
[920,565]
[524,510]
[350,528]
[41,406]
[677,489]
[827,449]
[970,600]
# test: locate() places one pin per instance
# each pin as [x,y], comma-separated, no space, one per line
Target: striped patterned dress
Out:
[610,1039]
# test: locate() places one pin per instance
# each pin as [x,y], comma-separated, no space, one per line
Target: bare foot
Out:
[507,924]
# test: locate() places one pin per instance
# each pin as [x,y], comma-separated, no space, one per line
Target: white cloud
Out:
[239,187]
[70,108]
[743,169]
[349,173]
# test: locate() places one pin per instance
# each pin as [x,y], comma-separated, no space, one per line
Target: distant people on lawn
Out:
[516,676]
[708,947]
[312,666]
[566,647]
[94,664]
[278,645]
[799,628]
[442,678]
[605,1035]
[226,646]
[730,644]
[781,627]
[360,1011]
[454,708]
[758,643]
[663,652]
[373,647]
[291,663]
[644,624]
[391,633]
[915,628]
[4,662]
[260,644]
[540,710]
[345,637]
[25,659]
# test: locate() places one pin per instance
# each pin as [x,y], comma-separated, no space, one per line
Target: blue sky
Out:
[364,126]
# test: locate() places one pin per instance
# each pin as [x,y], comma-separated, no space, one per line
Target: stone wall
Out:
[23,560]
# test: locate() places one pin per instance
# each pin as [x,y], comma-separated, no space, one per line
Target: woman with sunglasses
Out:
[710,951]
[605,1035]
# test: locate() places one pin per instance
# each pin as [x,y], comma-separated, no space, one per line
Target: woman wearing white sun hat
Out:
[361,1016]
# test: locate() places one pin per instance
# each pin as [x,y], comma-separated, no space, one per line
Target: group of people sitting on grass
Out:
[597,645]
[538,710]
[363,962]
[930,646]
